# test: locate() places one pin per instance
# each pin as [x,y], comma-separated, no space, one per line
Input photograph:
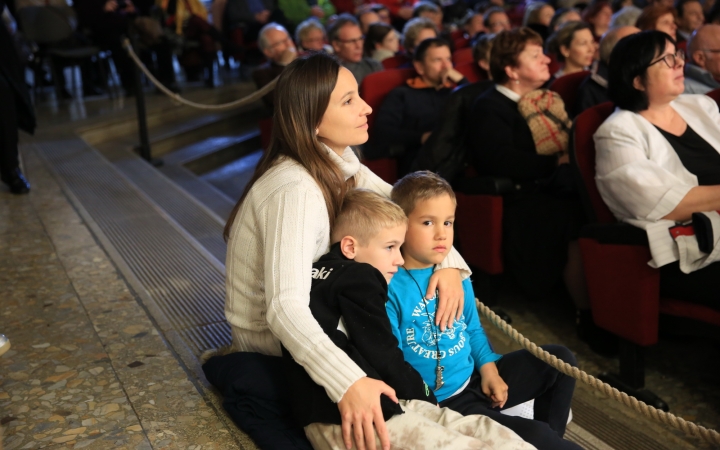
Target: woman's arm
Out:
[698,199]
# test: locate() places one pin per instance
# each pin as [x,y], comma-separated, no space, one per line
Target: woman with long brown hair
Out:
[282,224]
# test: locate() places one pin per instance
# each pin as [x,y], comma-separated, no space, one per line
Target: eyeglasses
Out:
[351,41]
[671,60]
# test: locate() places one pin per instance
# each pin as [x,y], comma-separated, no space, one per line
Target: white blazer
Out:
[639,175]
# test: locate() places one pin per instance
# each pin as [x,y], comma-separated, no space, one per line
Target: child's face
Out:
[430,232]
[383,251]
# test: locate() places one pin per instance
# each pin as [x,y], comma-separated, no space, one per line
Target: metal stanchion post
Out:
[144,147]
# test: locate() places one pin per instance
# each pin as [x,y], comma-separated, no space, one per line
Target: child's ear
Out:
[348,247]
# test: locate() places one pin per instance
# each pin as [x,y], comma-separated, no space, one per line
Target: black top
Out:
[500,143]
[697,155]
[356,293]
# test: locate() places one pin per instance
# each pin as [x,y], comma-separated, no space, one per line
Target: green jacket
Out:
[298,10]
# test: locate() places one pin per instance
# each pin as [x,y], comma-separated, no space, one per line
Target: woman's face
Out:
[546,15]
[345,120]
[314,40]
[666,23]
[391,42]
[662,82]
[581,51]
[532,67]
[601,21]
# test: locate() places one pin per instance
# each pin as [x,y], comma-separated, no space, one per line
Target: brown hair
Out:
[419,186]
[650,15]
[506,48]
[592,10]
[364,214]
[564,36]
[302,95]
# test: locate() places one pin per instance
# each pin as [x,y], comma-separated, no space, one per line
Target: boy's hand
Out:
[451,302]
[360,410]
[493,385]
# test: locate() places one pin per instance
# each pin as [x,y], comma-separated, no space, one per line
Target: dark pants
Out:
[527,378]
[8,129]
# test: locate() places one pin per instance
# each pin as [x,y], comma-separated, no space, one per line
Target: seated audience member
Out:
[496,20]
[472,26]
[295,11]
[444,151]
[381,42]
[657,158]
[562,16]
[416,31]
[537,17]
[574,47]
[431,11]
[400,10]
[350,288]
[366,16]
[702,71]
[278,48]
[540,221]
[660,18]
[383,13]
[598,14]
[690,17]
[410,112]
[310,37]
[626,17]
[347,41]
[617,5]
[459,363]
[593,89]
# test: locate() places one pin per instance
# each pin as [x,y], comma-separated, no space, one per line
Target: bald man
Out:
[593,89]
[702,71]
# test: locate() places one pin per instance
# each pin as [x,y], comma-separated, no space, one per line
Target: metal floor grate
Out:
[185,281]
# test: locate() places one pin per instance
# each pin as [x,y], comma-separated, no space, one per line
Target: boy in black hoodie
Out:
[347,298]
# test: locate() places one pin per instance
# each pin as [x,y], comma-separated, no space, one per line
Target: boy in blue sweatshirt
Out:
[459,363]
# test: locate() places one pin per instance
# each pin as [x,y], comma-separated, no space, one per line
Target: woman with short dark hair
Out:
[657,158]
[381,42]
[539,227]
[574,47]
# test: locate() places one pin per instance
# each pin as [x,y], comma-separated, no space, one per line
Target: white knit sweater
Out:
[280,230]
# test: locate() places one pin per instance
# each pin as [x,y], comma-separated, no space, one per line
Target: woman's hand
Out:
[451,302]
[493,385]
[360,409]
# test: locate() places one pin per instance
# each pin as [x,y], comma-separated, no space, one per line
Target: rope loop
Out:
[659,415]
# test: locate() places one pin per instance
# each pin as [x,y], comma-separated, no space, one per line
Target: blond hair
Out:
[419,186]
[364,214]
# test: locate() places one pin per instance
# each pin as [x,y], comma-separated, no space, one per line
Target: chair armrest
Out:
[615,233]
[485,186]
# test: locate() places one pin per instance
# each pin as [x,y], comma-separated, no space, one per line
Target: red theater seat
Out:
[471,71]
[395,61]
[462,56]
[567,86]
[374,88]
[624,290]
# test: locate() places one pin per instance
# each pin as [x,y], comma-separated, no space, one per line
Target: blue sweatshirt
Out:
[463,348]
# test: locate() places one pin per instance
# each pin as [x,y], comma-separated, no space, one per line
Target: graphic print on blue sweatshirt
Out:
[464,347]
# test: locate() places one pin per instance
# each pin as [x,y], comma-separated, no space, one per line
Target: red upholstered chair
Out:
[459,40]
[715,95]
[554,65]
[478,224]
[471,71]
[374,88]
[462,56]
[395,61]
[567,86]
[624,290]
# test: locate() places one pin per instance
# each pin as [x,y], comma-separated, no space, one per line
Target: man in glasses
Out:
[702,72]
[347,41]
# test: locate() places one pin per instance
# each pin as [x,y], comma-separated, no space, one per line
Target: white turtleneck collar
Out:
[349,163]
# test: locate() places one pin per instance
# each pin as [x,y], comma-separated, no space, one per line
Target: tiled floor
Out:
[87,368]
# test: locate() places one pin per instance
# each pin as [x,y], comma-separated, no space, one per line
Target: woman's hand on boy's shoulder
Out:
[450,305]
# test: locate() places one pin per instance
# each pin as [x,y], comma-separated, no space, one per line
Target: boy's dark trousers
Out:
[527,378]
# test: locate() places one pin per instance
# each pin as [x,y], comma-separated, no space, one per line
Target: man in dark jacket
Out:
[410,113]
[16,110]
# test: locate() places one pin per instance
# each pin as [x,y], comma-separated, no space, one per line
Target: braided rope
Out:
[689,428]
[255,96]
